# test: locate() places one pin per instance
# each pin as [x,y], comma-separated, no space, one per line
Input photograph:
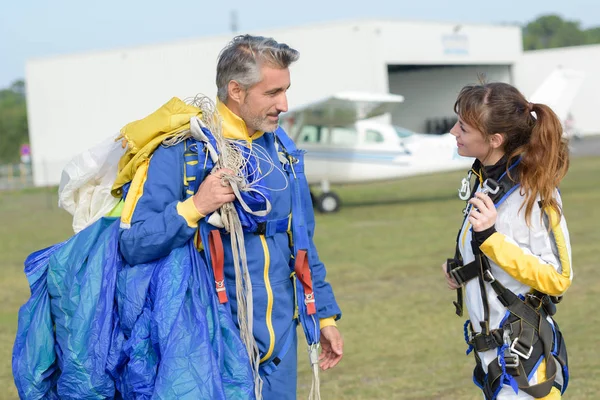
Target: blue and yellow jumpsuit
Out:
[165,218]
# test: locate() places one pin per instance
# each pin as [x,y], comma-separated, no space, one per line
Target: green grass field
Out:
[383,251]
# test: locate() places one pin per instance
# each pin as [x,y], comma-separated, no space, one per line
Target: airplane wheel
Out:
[313,199]
[328,202]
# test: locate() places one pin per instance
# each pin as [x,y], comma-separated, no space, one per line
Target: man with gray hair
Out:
[252,80]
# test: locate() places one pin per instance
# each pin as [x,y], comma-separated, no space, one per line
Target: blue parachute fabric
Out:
[81,285]
[98,328]
[34,360]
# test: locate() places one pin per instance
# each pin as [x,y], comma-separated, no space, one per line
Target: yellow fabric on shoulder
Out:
[142,137]
[233,126]
[323,322]
[136,190]
[526,268]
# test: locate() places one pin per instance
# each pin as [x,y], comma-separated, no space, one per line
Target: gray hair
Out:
[241,59]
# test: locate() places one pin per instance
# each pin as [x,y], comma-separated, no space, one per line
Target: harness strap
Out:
[463,274]
[484,268]
[484,342]
[217,257]
[506,186]
[271,227]
[531,321]
[302,270]
[271,366]
[451,265]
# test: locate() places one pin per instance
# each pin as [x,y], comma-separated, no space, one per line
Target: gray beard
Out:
[257,123]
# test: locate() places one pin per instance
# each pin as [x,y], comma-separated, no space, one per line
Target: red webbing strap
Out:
[303,273]
[217,257]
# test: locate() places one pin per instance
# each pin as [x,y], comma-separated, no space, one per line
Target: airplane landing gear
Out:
[327,202]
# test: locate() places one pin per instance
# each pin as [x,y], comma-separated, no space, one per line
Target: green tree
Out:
[592,36]
[13,122]
[551,31]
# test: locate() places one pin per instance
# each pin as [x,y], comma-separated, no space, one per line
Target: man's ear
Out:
[497,140]
[235,92]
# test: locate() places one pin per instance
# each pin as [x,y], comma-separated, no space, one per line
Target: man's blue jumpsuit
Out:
[165,218]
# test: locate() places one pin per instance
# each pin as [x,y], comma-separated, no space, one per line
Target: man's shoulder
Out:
[176,150]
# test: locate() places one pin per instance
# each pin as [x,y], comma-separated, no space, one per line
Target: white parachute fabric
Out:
[86,183]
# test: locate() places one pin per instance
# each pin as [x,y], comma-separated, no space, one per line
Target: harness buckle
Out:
[309,298]
[454,274]
[261,228]
[510,360]
[220,286]
[488,277]
[521,352]
[490,186]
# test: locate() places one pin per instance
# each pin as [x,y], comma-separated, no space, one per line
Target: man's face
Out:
[263,102]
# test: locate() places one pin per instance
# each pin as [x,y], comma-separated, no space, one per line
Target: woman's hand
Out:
[449,280]
[483,212]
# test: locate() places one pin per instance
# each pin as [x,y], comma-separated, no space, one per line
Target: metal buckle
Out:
[309,298]
[490,186]
[519,353]
[454,274]
[535,301]
[510,360]
[488,277]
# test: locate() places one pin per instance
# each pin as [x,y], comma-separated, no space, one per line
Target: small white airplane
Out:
[345,143]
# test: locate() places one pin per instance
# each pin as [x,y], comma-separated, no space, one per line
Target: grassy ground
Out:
[383,252]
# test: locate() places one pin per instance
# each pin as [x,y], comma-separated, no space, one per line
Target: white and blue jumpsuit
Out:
[522,257]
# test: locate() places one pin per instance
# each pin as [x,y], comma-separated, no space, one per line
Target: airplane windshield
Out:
[403,133]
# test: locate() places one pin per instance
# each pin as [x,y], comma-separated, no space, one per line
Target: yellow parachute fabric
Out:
[142,137]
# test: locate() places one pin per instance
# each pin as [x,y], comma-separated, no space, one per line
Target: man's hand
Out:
[213,192]
[483,213]
[332,346]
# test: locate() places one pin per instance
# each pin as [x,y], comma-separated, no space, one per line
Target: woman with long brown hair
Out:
[513,255]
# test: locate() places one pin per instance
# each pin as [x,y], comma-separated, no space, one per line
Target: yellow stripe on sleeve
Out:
[525,267]
[561,243]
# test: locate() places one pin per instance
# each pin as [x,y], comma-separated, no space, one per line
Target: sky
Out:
[32,29]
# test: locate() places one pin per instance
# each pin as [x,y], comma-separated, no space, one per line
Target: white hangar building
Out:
[78,100]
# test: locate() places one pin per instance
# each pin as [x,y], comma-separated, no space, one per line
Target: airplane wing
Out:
[343,108]
[559,90]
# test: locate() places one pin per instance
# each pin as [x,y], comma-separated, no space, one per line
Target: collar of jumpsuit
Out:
[233,126]
[491,171]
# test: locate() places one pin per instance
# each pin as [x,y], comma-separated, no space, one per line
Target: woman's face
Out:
[470,141]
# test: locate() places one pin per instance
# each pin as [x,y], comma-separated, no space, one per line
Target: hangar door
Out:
[430,92]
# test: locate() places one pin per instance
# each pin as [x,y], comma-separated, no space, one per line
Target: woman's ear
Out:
[497,140]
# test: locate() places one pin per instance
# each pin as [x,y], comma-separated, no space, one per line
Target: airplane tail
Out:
[559,90]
